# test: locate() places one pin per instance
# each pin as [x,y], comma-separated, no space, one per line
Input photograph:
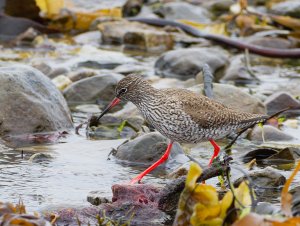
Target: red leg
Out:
[156,164]
[216,151]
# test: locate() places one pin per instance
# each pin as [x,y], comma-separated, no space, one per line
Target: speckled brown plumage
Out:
[182,115]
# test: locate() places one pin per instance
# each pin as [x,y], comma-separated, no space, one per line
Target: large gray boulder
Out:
[187,63]
[30,103]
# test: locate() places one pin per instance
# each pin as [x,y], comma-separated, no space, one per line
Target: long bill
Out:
[114,102]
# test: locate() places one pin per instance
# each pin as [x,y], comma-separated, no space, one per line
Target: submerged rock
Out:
[30,103]
[40,157]
[186,11]
[281,100]
[148,148]
[96,198]
[270,133]
[88,90]
[187,63]
[116,127]
[233,97]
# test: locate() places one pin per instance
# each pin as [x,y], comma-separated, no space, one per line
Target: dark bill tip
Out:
[114,102]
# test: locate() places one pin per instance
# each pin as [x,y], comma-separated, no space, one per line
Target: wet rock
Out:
[50,70]
[138,200]
[11,27]
[281,100]
[91,57]
[267,177]
[110,126]
[287,8]
[81,74]
[104,132]
[233,97]
[40,157]
[75,215]
[136,36]
[272,42]
[146,204]
[268,156]
[148,148]
[61,82]
[179,172]
[147,41]
[27,94]
[218,7]
[237,70]
[126,69]
[186,11]
[270,133]
[90,38]
[96,198]
[259,154]
[88,90]
[265,208]
[186,63]
[284,156]
[16,8]
[132,8]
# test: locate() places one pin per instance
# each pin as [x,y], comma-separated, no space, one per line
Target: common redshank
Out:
[181,115]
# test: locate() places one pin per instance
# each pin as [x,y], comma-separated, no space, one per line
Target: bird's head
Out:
[127,89]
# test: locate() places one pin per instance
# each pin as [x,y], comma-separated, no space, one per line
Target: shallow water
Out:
[80,165]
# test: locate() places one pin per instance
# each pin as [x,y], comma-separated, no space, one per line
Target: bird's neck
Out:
[147,97]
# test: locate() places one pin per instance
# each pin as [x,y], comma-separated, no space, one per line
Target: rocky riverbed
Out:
[49,85]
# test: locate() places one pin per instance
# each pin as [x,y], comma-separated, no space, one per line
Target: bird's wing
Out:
[204,111]
[208,113]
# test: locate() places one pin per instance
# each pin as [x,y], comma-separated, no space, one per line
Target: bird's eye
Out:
[123,90]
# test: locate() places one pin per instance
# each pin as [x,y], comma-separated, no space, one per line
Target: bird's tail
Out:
[261,119]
